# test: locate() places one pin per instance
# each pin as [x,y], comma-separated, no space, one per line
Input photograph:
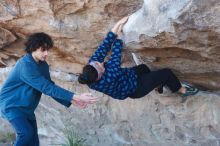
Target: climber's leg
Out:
[141,69]
[147,82]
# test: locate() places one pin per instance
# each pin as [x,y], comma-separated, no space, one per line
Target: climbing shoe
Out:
[190,90]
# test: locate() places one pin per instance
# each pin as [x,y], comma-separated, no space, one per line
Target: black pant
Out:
[148,80]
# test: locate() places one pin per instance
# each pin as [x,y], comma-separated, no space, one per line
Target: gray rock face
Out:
[185,27]
[188,22]
[183,35]
[154,18]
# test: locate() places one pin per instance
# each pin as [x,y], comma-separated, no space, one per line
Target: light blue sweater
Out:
[21,92]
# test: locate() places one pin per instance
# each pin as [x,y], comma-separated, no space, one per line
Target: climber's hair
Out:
[88,76]
[37,40]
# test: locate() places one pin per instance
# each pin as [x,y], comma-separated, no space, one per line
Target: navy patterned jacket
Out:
[116,82]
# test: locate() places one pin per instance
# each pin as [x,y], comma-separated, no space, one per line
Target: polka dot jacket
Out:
[116,82]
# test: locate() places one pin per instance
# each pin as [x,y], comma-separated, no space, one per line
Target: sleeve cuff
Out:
[68,105]
[118,42]
[112,35]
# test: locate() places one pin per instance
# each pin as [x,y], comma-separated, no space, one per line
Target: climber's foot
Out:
[189,91]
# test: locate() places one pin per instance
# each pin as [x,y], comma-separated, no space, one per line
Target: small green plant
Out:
[7,137]
[71,138]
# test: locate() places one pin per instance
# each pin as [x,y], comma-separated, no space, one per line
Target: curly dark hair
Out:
[37,40]
[88,76]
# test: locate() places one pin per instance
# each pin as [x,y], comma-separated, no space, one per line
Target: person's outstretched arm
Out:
[61,101]
[115,58]
[30,74]
[104,48]
[106,45]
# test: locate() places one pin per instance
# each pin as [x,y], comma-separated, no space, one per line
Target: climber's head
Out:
[91,72]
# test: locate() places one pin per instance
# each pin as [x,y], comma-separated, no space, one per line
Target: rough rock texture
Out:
[180,34]
[183,35]
[77,26]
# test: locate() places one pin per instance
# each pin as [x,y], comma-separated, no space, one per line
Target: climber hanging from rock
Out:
[120,83]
